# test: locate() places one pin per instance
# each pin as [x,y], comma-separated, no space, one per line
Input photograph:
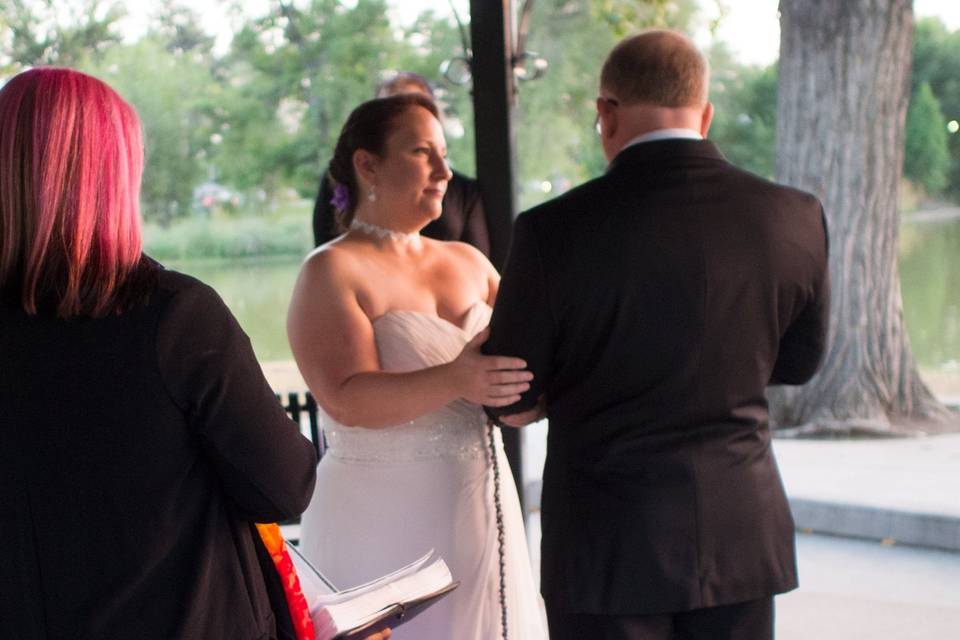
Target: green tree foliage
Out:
[178,27]
[62,32]
[926,160]
[259,119]
[575,37]
[936,51]
[166,75]
[429,42]
[745,112]
[623,17]
[294,76]
[174,97]
[262,118]
[557,144]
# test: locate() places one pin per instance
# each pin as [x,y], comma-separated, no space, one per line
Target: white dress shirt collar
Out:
[664,134]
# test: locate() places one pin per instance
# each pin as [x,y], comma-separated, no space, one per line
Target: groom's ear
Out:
[706,118]
[606,118]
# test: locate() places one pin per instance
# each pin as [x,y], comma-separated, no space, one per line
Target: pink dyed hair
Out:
[71,158]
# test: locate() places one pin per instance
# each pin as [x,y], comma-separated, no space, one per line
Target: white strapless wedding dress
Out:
[384,497]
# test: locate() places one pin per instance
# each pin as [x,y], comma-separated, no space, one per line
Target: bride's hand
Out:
[494,381]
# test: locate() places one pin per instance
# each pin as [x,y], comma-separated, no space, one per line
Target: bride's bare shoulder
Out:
[340,251]
[464,253]
[336,259]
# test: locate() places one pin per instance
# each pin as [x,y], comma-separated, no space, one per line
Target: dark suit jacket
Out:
[463,215]
[654,305]
[135,451]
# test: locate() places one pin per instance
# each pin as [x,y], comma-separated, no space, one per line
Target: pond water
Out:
[258,292]
[930,283]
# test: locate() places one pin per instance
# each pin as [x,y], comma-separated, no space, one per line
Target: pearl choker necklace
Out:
[412,239]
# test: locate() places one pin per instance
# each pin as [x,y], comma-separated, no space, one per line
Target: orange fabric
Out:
[296,602]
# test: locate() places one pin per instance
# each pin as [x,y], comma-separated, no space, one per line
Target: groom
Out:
[653,305]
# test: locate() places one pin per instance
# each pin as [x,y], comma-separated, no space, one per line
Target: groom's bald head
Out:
[658,68]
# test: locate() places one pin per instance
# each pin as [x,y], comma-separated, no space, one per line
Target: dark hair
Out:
[368,128]
[657,67]
[391,85]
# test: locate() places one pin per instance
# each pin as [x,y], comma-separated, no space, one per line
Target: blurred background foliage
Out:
[247,130]
[240,119]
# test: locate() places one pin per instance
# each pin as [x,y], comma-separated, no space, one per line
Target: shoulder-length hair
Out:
[71,158]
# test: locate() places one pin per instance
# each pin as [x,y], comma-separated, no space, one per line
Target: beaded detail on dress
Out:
[407,341]
[415,440]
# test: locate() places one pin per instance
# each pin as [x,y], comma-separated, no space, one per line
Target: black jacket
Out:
[135,451]
[654,305]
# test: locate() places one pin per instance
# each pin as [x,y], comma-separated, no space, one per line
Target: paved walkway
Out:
[904,490]
[863,590]
[894,574]
[932,215]
[858,590]
[901,490]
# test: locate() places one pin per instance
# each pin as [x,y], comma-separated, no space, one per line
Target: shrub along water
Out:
[234,237]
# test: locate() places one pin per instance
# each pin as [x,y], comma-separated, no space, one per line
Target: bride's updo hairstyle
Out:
[367,128]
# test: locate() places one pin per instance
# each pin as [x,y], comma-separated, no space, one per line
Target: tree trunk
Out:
[844,90]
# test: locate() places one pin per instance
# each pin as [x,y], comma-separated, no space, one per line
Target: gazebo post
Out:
[491,33]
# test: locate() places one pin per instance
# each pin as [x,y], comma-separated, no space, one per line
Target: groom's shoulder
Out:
[570,204]
[776,192]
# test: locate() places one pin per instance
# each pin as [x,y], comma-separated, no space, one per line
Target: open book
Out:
[385,602]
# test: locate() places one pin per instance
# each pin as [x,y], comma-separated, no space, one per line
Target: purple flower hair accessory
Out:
[341,197]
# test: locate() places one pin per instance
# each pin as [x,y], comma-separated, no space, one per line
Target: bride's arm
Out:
[538,412]
[493,284]
[333,343]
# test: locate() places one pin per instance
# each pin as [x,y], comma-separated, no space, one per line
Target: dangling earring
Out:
[372,194]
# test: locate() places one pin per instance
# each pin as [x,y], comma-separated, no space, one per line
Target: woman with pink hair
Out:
[139,440]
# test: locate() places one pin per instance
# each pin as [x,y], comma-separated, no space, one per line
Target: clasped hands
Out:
[494,381]
[524,418]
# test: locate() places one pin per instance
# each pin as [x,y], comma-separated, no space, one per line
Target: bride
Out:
[386,328]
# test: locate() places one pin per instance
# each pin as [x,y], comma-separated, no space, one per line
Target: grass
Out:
[286,231]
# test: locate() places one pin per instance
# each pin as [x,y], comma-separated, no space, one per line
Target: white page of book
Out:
[370,604]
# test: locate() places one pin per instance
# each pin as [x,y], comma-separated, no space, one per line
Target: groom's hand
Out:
[524,418]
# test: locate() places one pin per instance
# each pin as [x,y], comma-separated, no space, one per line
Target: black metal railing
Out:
[299,406]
